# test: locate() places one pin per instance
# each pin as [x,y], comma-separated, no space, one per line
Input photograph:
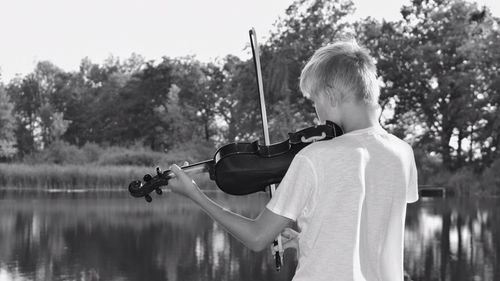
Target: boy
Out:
[349,194]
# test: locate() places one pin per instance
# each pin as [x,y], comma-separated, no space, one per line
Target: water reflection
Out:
[453,239]
[125,239]
[92,238]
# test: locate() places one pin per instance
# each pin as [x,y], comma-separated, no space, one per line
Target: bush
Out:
[440,177]
[59,152]
[62,153]
[92,152]
[490,179]
[131,158]
[464,182]
[430,168]
[191,152]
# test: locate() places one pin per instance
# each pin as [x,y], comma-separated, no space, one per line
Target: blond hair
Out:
[344,71]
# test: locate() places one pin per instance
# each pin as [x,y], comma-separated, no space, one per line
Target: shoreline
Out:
[54,178]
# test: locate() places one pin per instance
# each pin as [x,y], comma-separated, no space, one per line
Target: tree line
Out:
[438,68]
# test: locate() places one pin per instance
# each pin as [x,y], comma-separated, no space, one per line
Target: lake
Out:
[111,236]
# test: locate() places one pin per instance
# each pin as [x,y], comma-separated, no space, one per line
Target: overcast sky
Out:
[65,31]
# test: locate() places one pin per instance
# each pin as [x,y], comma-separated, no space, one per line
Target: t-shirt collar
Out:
[372,129]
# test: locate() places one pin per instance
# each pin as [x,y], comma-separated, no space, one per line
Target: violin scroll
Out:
[150,184]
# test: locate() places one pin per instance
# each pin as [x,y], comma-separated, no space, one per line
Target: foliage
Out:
[63,153]
[439,64]
[429,168]
[464,182]
[58,152]
[490,179]
[35,99]
[307,26]
[438,69]
[7,126]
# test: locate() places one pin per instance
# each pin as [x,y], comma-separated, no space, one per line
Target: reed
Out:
[52,176]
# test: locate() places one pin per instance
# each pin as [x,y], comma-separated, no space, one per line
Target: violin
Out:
[243,168]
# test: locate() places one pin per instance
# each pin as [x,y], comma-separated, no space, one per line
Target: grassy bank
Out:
[65,166]
[48,176]
[52,176]
[117,177]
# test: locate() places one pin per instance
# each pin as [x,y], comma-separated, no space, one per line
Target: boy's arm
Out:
[256,234]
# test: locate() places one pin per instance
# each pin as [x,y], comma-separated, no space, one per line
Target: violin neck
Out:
[198,168]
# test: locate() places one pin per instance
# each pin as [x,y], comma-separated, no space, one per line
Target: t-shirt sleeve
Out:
[295,189]
[412,188]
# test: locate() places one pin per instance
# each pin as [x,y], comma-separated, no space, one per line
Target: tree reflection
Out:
[51,239]
[466,239]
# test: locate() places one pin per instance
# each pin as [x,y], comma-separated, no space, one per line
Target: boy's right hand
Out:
[290,239]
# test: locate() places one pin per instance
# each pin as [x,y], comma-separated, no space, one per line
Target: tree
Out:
[238,102]
[198,90]
[34,101]
[7,126]
[307,26]
[46,76]
[130,116]
[24,93]
[436,66]
[88,99]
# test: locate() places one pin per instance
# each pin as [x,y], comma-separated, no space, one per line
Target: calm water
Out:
[87,237]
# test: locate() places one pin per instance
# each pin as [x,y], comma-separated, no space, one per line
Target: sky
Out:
[65,31]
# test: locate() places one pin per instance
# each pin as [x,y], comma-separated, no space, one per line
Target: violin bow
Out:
[277,244]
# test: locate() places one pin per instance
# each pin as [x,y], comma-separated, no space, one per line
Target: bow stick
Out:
[277,245]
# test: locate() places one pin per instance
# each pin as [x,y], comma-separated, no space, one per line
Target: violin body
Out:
[244,168]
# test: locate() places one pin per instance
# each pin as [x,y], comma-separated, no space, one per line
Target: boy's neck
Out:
[357,117]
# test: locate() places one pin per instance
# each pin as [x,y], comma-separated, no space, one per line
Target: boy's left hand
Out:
[182,184]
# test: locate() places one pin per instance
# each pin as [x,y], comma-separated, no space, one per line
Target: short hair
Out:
[342,70]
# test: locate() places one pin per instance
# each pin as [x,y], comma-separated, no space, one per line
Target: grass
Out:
[87,176]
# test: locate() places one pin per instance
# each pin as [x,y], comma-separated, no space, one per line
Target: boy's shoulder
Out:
[349,145]
[338,145]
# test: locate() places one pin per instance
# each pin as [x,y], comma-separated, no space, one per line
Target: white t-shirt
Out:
[348,196]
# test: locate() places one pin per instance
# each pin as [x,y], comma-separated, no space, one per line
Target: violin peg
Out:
[135,187]
[158,171]
[158,191]
[147,177]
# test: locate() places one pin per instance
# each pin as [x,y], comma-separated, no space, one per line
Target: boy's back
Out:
[349,198]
